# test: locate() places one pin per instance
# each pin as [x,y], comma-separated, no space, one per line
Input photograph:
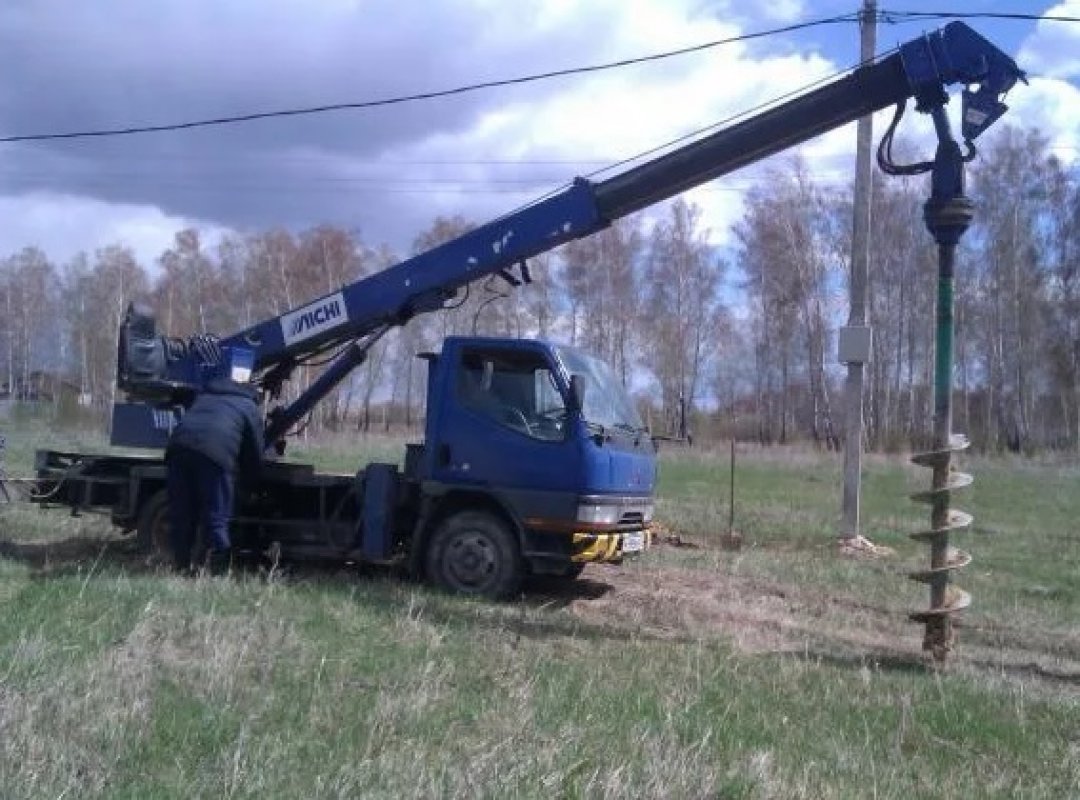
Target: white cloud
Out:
[609,116]
[784,11]
[1052,106]
[62,225]
[1053,50]
[393,185]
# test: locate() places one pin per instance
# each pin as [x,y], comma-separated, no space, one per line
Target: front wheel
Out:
[475,552]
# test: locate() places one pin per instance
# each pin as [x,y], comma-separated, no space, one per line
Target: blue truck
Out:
[534,459]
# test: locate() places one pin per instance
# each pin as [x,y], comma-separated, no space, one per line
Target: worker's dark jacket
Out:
[224,425]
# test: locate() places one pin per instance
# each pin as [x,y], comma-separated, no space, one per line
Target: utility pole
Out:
[854,340]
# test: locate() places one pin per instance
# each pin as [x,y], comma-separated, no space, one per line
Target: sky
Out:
[385,173]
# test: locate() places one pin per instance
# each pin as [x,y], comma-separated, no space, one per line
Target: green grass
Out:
[1025,536]
[779,670]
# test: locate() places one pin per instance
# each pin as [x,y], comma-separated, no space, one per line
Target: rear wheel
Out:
[152,529]
[475,552]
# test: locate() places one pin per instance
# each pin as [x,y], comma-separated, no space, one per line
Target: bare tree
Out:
[32,300]
[539,302]
[681,288]
[601,274]
[790,265]
[114,280]
[1063,302]
[1009,186]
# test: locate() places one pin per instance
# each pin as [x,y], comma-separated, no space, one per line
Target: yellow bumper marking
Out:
[601,546]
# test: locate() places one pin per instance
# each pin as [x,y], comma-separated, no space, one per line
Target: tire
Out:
[152,529]
[476,553]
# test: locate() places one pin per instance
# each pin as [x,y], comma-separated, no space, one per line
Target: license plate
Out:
[633,542]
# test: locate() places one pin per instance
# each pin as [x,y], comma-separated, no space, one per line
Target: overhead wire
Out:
[429,185]
[882,15]
[260,183]
[889,16]
[388,101]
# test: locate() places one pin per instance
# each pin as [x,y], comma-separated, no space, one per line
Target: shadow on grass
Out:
[541,592]
[883,662]
[548,592]
[68,556]
[385,589]
[1034,670]
[913,663]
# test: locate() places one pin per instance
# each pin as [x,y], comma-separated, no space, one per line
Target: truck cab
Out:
[541,437]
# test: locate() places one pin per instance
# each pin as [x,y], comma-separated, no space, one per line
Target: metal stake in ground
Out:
[5,496]
[948,214]
[732,540]
[731,494]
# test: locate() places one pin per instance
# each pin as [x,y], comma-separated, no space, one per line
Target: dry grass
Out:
[778,671]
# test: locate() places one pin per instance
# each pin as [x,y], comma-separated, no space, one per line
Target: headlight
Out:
[594,514]
[647,513]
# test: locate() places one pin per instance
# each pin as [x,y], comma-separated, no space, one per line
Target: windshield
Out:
[605,401]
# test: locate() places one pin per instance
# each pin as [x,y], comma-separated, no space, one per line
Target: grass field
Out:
[780,670]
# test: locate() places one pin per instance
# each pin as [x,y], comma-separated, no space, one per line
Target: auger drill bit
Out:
[945,598]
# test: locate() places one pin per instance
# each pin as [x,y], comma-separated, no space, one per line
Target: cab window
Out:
[515,389]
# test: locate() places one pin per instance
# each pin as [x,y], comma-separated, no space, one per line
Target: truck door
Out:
[504,421]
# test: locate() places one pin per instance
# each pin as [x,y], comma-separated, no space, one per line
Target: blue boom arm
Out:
[358,313]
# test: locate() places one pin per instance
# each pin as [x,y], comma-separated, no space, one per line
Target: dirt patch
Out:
[760,616]
[669,602]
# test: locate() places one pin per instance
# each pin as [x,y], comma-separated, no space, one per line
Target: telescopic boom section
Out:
[921,69]
[866,90]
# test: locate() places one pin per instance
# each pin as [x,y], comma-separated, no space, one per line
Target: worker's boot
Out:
[219,562]
[182,566]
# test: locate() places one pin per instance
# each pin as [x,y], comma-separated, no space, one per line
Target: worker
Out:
[218,438]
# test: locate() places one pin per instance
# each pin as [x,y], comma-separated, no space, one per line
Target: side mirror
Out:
[577,391]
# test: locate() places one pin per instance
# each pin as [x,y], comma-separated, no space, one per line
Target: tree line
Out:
[739,341]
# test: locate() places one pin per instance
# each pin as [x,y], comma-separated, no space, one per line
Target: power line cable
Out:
[883,15]
[233,159]
[388,101]
[371,191]
[18,173]
[431,189]
[889,16]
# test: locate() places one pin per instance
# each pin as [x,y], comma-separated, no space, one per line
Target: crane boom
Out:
[361,311]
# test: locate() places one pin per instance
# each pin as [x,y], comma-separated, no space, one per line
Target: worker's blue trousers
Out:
[200,495]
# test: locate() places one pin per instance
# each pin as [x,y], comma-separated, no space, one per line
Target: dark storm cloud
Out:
[76,66]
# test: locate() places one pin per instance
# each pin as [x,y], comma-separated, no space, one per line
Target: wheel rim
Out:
[471,561]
